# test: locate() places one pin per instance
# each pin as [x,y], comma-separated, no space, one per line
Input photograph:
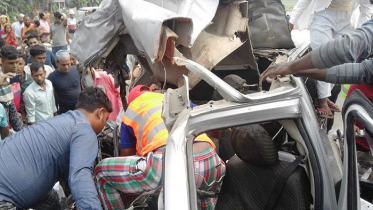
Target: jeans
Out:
[56,49]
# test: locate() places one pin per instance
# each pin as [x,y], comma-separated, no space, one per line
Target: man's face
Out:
[64,65]
[9,65]
[102,116]
[57,20]
[26,20]
[33,41]
[72,61]
[20,19]
[72,16]
[21,65]
[39,76]
[39,58]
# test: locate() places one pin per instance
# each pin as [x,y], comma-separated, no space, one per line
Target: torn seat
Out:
[251,175]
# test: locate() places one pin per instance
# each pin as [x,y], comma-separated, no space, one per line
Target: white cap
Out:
[62,54]
[71,12]
[21,15]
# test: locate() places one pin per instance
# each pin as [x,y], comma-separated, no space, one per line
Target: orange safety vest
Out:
[143,115]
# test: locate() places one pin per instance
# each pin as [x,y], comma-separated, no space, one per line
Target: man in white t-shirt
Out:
[327,20]
[38,54]
[71,23]
[17,26]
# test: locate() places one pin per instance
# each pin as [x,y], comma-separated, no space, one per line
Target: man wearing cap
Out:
[66,82]
[58,32]
[17,26]
[71,23]
[143,132]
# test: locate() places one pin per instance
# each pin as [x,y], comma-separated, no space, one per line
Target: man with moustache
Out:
[27,26]
[66,82]
[38,96]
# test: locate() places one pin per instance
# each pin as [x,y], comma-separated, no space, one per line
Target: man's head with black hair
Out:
[38,53]
[38,73]
[22,60]
[93,98]
[33,40]
[57,15]
[9,59]
[96,106]
[41,15]
[26,21]
[37,23]
[30,33]
[35,66]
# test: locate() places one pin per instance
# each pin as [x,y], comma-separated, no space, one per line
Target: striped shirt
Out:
[6,94]
[338,57]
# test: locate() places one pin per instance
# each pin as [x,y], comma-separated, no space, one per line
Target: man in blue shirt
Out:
[63,148]
[50,60]
[66,82]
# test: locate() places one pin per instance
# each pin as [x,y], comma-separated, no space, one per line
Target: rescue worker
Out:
[143,132]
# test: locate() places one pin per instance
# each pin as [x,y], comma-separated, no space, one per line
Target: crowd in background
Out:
[40,83]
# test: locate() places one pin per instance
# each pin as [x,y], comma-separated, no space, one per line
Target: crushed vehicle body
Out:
[207,32]
[189,45]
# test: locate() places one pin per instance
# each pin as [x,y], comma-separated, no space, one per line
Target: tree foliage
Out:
[14,7]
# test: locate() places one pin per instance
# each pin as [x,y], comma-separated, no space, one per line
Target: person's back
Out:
[63,148]
[43,166]
[107,80]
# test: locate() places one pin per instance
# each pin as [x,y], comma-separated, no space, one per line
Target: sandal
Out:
[333,107]
[325,113]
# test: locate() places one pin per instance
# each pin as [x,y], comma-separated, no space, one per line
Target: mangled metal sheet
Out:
[158,30]
[97,30]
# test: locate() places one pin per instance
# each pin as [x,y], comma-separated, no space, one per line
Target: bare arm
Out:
[316,74]
[4,131]
[293,67]
[64,19]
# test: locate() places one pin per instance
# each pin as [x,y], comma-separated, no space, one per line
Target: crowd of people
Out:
[49,121]
[14,34]
[43,103]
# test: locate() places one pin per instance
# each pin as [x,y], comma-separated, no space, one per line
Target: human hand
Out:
[4,79]
[24,43]
[275,70]
[291,26]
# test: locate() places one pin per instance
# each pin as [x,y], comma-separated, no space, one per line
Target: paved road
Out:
[300,37]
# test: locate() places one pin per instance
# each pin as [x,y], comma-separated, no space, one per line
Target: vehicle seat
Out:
[252,173]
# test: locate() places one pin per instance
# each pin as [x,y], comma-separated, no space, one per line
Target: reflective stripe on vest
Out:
[344,91]
[204,137]
[147,124]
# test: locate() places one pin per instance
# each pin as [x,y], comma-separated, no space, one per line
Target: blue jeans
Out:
[56,49]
